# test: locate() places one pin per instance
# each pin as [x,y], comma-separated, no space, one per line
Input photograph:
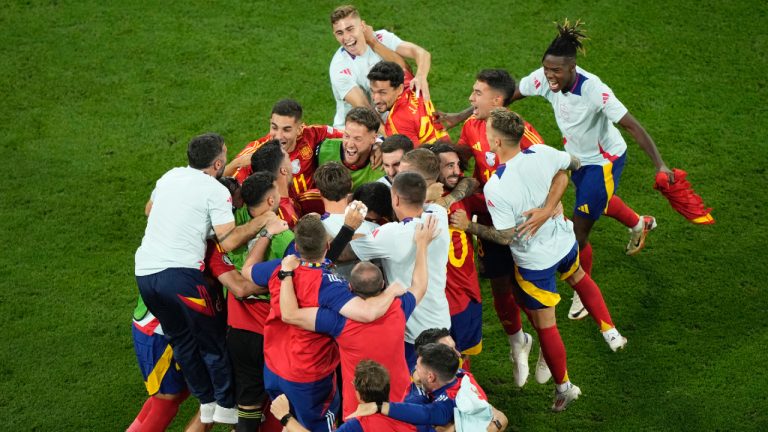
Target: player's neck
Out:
[335,207]
[282,189]
[506,154]
[408,212]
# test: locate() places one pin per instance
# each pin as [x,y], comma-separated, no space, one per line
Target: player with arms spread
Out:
[586,110]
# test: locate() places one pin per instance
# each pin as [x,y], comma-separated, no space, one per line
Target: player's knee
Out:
[576,276]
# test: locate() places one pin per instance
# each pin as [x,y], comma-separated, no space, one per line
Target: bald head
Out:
[366,280]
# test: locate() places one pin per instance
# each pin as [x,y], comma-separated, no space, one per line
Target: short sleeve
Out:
[334,292]
[601,97]
[378,244]
[502,215]
[342,80]
[329,322]
[217,261]
[388,39]
[220,205]
[262,272]
[534,84]
[555,159]
[407,304]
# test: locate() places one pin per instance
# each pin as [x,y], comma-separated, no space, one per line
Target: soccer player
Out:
[586,109]
[437,372]
[392,244]
[392,150]
[372,384]
[300,363]
[361,48]
[246,314]
[377,200]
[299,139]
[356,147]
[463,286]
[335,184]
[273,158]
[493,88]
[522,182]
[162,377]
[186,205]
[354,339]
[406,112]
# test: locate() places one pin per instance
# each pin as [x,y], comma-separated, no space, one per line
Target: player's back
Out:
[293,353]
[382,341]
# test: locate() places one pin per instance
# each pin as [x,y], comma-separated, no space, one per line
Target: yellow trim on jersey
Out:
[475,350]
[531,137]
[547,298]
[197,301]
[609,184]
[155,378]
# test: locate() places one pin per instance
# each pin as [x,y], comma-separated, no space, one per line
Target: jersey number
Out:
[460,237]
[300,184]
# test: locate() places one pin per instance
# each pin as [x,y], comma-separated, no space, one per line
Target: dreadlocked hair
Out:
[568,41]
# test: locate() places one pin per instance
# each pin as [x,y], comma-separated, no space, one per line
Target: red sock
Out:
[507,309]
[592,299]
[554,353]
[162,414]
[585,258]
[618,210]
[145,409]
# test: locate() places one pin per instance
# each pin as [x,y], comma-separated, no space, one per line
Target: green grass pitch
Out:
[99,99]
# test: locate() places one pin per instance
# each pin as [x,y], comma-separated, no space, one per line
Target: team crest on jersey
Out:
[305,153]
[295,166]
[490,158]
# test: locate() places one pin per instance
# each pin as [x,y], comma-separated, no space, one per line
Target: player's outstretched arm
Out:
[239,286]
[259,249]
[289,305]
[517,95]
[536,217]
[422,237]
[460,220]
[237,163]
[631,125]
[231,237]
[372,308]
[423,60]
[449,120]
[382,50]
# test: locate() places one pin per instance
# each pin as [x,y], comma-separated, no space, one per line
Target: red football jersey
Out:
[414,117]
[287,211]
[462,283]
[380,422]
[473,136]
[303,162]
[355,345]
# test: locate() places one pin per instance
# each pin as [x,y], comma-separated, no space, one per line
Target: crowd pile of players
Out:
[326,278]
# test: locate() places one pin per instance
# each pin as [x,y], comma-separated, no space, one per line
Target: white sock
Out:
[610,334]
[639,225]
[561,388]
[517,338]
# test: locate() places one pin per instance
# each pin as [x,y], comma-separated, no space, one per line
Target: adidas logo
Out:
[584,208]
[346,72]
[606,96]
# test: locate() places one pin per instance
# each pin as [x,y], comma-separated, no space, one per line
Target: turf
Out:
[100,98]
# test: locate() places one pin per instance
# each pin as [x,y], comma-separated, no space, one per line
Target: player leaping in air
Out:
[586,110]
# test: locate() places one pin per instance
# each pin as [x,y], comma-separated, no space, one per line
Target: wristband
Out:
[282,274]
[285,419]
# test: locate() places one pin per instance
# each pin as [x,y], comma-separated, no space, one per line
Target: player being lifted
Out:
[586,109]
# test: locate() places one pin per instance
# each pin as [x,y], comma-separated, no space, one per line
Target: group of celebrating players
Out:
[351,248]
